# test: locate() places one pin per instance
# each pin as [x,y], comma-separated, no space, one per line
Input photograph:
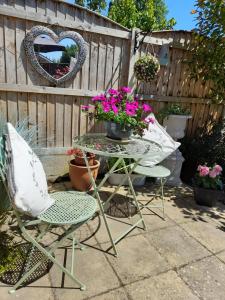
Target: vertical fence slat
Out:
[59,115]
[68,120]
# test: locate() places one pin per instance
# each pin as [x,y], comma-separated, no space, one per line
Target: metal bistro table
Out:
[135,149]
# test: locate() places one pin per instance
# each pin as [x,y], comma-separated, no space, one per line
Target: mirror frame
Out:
[29,48]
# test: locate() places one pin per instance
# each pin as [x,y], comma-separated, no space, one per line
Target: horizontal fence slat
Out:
[37,17]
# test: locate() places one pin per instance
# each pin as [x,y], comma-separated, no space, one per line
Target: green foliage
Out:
[206,146]
[95,5]
[208,60]
[9,254]
[209,183]
[68,53]
[112,160]
[146,68]
[173,109]
[146,15]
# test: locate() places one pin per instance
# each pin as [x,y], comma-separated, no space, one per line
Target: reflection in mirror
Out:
[56,58]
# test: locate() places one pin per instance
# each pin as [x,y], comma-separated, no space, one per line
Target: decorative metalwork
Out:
[41,30]
[101,145]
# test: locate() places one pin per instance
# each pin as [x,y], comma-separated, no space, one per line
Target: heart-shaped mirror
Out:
[57,58]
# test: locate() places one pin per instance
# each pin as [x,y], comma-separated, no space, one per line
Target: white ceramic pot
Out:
[176,124]
[137,180]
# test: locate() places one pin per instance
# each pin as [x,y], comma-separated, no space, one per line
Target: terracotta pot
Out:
[79,160]
[79,176]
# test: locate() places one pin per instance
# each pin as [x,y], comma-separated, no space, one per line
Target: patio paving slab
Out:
[91,267]
[137,259]
[119,294]
[166,286]
[117,227]
[153,219]
[38,290]
[207,234]
[206,278]
[221,256]
[180,258]
[176,246]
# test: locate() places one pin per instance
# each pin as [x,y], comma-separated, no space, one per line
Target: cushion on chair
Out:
[26,176]
[158,134]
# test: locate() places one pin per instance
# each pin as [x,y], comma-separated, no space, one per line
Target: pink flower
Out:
[203,170]
[85,107]
[112,100]
[135,104]
[100,97]
[115,109]
[146,108]
[213,174]
[113,92]
[106,106]
[217,169]
[131,108]
[149,120]
[126,89]
[70,152]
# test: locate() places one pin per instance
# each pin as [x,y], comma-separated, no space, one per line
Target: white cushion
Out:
[27,179]
[158,134]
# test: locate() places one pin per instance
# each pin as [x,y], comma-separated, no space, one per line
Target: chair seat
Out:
[156,171]
[70,207]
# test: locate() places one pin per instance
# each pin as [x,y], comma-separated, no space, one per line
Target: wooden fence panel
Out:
[110,56]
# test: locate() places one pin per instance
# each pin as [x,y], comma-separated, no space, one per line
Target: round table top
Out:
[99,144]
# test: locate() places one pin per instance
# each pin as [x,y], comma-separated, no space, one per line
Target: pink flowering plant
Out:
[120,106]
[209,177]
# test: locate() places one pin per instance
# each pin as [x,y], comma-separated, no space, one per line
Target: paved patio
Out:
[182,257]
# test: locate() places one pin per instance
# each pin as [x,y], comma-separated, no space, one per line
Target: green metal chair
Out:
[162,174]
[70,208]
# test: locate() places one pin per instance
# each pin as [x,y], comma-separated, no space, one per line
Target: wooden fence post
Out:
[132,82]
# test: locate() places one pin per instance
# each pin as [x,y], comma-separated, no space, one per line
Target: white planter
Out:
[137,180]
[176,124]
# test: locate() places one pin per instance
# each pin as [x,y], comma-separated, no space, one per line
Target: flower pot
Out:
[207,197]
[176,125]
[79,160]
[116,178]
[116,131]
[79,176]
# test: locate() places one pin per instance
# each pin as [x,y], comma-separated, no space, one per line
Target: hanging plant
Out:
[146,68]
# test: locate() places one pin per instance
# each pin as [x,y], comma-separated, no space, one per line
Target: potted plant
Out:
[79,157]
[123,113]
[174,118]
[78,170]
[117,177]
[146,68]
[208,187]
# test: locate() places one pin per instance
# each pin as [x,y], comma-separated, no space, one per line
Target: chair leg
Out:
[48,255]
[162,197]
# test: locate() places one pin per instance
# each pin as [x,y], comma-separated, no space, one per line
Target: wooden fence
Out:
[109,63]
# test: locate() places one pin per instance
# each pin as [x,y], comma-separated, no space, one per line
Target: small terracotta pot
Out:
[79,160]
[79,176]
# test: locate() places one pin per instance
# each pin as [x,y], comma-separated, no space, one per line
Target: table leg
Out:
[102,206]
[133,192]
[96,193]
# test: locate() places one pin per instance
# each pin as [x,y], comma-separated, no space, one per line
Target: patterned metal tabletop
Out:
[99,144]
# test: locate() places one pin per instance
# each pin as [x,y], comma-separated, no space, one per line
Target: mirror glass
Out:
[56,58]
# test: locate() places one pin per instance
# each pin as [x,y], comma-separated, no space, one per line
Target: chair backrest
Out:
[157,133]
[25,175]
